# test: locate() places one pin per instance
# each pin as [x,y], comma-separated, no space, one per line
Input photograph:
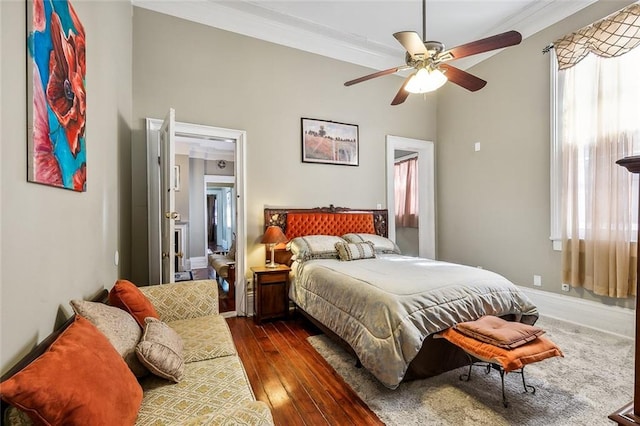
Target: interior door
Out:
[168,196]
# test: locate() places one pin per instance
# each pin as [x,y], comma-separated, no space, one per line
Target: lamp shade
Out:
[425,80]
[273,235]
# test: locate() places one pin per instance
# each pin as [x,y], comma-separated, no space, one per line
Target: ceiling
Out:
[360,31]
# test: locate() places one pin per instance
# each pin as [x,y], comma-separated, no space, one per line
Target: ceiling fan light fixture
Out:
[425,80]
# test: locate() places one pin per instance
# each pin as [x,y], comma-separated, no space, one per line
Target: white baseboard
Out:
[250,297]
[611,319]
[199,262]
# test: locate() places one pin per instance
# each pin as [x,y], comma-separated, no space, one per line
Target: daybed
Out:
[350,280]
[80,375]
[223,265]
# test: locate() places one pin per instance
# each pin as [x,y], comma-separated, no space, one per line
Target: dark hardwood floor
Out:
[299,386]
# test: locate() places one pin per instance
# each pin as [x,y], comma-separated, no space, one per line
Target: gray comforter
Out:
[385,307]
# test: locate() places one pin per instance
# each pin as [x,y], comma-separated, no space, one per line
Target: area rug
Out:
[594,379]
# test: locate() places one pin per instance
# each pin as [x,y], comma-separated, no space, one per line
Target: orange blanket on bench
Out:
[510,359]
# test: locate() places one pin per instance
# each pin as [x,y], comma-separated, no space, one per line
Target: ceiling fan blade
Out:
[412,43]
[510,38]
[462,78]
[402,94]
[374,75]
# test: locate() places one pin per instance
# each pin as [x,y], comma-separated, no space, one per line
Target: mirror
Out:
[207,213]
[208,161]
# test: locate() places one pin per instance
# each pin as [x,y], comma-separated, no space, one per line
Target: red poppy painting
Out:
[57,154]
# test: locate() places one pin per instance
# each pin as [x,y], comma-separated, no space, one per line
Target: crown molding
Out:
[251,19]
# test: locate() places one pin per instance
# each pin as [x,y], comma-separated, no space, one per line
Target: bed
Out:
[382,306]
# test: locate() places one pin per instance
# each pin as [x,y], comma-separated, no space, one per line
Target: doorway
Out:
[202,148]
[424,152]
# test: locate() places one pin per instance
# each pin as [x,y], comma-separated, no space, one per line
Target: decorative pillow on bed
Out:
[315,247]
[381,244]
[355,251]
[498,332]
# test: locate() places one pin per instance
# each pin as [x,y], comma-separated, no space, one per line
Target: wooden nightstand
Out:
[271,292]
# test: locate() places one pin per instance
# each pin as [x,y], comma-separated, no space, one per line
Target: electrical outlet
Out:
[565,287]
[537,280]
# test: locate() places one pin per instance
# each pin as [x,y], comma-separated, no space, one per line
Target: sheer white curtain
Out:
[600,124]
[406,193]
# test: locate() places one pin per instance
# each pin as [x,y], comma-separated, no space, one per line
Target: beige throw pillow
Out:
[160,350]
[355,251]
[120,328]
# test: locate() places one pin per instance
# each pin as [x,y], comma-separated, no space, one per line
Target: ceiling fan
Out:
[429,58]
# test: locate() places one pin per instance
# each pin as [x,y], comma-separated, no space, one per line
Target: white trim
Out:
[250,18]
[198,130]
[426,179]
[250,298]
[611,319]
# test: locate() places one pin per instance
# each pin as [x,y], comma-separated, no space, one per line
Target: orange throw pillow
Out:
[126,295]
[80,380]
[510,359]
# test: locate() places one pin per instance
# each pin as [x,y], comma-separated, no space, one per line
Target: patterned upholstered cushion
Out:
[381,244]
[160,350]
[119,326]
[315,247]
[250,413]
[189,299]
[204,338]
[355,251]
[208,387]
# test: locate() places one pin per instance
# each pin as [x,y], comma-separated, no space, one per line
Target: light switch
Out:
[477,146]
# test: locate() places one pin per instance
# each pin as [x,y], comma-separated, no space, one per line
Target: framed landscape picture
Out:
[329,142]
[56,95]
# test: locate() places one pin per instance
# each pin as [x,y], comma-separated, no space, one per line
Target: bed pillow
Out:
[126,295]
[314,247]
[498,332]
[355,251]
[381,244]
[510,359]
[119,328]
[160,350]
[79,380]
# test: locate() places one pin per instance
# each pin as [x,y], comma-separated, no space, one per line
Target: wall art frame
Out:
[329,142]
[56,95]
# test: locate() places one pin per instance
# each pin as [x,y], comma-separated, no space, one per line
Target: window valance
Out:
[612,36]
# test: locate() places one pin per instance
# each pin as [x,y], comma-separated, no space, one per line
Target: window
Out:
[595,122]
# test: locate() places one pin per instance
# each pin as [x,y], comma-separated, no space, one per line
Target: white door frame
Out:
[153,202]
[426,179]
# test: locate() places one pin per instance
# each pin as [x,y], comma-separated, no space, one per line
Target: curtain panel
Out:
[600,124]
[612,36]
[406,193]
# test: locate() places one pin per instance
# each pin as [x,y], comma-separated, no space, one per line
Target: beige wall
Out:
[222,79]
[57,244]
[493,205]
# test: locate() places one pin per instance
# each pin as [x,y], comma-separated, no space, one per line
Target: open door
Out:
[168,197]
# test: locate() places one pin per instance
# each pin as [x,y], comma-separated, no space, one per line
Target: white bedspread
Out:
[385,307]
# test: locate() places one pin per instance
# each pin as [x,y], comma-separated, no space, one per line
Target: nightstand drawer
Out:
[274,277]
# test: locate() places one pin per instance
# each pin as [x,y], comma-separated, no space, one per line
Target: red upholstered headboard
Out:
[327,221]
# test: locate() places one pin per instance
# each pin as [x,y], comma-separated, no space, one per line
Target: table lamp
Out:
[272,236]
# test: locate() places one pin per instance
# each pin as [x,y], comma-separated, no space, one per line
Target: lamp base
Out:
[271,265]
